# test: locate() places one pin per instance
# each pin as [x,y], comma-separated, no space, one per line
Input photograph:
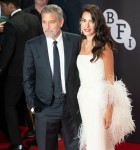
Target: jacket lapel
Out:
[68,46]
[17,13]
[46,56]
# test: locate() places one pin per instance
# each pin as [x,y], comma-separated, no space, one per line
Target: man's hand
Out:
[1,27]
[33,111]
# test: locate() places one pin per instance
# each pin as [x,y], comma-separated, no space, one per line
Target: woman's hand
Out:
[108,117]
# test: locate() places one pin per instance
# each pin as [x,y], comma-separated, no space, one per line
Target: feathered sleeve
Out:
[122,123]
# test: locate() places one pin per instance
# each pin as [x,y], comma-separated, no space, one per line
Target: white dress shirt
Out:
[60,46]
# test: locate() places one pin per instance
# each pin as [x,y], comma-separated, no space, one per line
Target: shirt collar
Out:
[15,11]
[59,38]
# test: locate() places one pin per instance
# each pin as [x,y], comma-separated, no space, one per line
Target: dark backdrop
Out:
[127,62]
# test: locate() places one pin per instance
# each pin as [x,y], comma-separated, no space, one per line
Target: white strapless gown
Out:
[93,98]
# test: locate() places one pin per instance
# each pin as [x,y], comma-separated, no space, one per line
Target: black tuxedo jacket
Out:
[37,76]
[17,30]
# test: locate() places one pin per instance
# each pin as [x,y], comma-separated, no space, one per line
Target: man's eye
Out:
[52,22]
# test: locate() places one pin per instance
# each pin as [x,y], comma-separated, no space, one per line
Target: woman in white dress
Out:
[104,104]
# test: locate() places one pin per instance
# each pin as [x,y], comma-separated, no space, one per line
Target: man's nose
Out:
[46,25]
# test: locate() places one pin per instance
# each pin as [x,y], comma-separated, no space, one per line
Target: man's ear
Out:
[62,22]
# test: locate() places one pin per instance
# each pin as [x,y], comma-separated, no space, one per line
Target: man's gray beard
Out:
[53,34]
[50,35]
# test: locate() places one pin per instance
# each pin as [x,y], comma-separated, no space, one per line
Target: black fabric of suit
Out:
[38,86]
[18,29]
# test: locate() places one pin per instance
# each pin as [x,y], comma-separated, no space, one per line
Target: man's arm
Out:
[29,76]
[8,46]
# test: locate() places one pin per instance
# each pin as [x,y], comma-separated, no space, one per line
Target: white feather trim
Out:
[122,123]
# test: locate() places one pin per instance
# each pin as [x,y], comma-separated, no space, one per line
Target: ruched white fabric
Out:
[93,95]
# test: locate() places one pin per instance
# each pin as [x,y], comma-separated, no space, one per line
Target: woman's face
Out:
[87,24]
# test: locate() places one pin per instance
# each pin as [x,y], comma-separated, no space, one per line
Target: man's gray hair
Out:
[53,8]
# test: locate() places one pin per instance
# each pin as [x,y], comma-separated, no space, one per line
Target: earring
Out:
[81,32]
[97,33]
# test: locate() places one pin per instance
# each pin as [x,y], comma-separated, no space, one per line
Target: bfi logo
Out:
[120,29]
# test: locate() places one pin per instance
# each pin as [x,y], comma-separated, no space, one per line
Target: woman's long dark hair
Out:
[102,31]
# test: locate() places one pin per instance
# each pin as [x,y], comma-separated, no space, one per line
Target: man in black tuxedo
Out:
[51,84]
[18,29]
[37,7]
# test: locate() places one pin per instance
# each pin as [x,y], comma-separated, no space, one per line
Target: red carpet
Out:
[4,143]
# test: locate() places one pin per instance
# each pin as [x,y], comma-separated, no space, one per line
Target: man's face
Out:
[51,24]
[41,2]
[6,8]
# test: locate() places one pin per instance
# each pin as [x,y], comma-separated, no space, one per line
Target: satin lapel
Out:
[17,13]
[46,56]
[68,46]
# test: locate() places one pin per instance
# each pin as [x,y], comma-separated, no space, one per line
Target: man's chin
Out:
[52,35]
[49,35]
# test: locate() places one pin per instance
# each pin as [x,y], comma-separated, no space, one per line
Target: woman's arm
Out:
[109,75]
